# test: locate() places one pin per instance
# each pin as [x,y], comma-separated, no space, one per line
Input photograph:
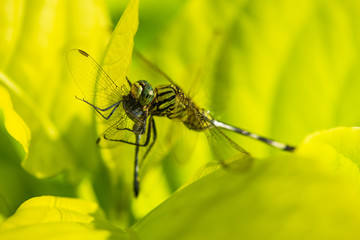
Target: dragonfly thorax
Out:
[143,92]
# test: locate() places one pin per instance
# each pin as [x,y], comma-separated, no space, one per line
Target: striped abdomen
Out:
[171,102]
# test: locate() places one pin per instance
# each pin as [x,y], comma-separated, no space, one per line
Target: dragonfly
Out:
[129,110]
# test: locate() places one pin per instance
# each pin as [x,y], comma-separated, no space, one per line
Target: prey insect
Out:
[129,112]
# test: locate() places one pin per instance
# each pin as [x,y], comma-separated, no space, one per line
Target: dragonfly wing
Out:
[103,95]
[145,69]
[98,88]
[229,153]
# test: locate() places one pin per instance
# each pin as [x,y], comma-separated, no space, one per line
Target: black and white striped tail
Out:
[273,143]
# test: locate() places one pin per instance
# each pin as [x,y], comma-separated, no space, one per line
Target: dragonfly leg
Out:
[136,166]
[138,129]
[97,109]
[153,128]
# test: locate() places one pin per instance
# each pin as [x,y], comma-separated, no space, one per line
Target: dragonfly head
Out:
[143,92]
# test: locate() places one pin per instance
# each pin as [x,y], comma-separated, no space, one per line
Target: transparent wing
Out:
[105,96]
[229,153]
[98,88]
[143,68]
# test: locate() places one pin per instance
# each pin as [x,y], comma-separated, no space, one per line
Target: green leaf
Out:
[288,197]
[117,57]
[275,68]
[337,150]
[51,217]
[116,63]
[11,14]
[13,123]
[34,38]
[39,80]
[261,64]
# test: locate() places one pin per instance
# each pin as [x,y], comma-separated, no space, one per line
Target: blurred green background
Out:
[277,68]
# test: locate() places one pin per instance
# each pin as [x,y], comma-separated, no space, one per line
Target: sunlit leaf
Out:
[38,79]
[290,197]
[117,57]
[51,217]
[277,68]
[14,124]
[336,150]
[116,63]
[11,14]
[34,38]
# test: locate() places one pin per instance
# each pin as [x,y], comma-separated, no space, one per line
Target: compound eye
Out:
[143,92]
[147,95]
[136,90]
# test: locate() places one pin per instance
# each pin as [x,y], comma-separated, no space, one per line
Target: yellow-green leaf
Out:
[312,194]
[283,198]
[118,54]
[11,15]
[116,63]
[39,80]
[51,217]
[14,124]
[336,150]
